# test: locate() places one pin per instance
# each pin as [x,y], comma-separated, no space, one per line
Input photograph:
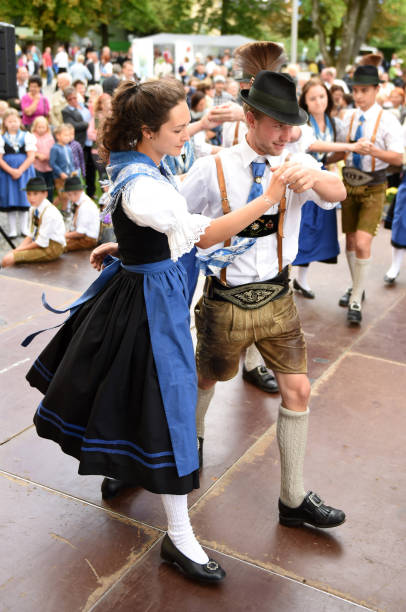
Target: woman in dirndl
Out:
[119,378]
[318,239]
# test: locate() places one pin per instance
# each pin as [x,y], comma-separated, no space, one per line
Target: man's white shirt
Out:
[388,136]
[201,190]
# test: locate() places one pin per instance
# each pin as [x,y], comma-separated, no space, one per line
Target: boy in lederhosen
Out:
[377,136]
[247,297]
[46,240]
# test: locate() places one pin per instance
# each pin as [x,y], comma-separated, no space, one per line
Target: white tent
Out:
[180,46]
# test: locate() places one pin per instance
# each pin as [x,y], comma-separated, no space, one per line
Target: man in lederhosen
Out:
[247,296]
[377,136]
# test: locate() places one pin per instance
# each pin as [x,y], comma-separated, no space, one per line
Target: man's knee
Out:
[295,391]
[363,242]
[206,383]
[8,260]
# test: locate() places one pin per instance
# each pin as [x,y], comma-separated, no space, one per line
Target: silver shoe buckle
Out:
[212,565]
[315,500]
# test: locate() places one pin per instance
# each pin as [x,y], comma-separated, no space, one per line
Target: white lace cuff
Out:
[182,238]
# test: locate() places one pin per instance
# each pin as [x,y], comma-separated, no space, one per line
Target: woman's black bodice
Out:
[136,244]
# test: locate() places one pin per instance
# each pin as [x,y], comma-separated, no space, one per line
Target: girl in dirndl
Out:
[17,153]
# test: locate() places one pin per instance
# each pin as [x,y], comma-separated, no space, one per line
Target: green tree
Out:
[341,27]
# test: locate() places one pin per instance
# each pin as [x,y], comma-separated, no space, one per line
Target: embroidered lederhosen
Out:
[356,177]
[251,295]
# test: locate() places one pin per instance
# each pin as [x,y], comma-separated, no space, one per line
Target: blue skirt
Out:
[119,380]
[317,236]
[399,218]
[11,195]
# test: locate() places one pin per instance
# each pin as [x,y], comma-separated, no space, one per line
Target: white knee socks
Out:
[12,223]
[179,528]
[302,277]
[253,358]
[359,278]
[203,400]
[24,216]
[397,258]
[351,262]
[291,434]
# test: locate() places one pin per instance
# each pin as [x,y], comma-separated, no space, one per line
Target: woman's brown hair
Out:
[135,107]
[313,82]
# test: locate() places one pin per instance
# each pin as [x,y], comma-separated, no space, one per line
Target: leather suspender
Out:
[282,211]
[226,209]
[225,204]
[373,137]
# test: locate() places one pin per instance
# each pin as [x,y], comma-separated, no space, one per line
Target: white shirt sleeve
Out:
[1,145]
[30,142]
[88,221]
[202,147]
[150,203]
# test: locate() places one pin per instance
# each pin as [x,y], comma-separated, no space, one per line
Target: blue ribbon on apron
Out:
[166,299]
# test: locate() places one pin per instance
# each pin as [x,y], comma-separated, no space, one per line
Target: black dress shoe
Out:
[200,451]
[354,314]
[307,293]
[111,487]
[313,511]
[207,572]
[345,299]
[390,280]
[262,378]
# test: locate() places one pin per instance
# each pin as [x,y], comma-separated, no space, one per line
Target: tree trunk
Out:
[225,8]
[104,33]
[48,37]
[318,26]
[356,25]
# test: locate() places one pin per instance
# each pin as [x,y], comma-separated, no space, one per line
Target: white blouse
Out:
[152,203]
[29,140]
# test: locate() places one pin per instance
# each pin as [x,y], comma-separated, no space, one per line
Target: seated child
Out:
[61,162]
[86,217]
[46,240]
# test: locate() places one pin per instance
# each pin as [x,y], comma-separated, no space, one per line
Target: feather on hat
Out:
[251,58]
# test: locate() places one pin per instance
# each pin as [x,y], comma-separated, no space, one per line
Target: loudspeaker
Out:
[8,71]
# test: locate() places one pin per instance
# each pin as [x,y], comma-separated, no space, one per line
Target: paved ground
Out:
[65,550]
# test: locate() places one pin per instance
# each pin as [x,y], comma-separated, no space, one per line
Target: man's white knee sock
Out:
[291,434]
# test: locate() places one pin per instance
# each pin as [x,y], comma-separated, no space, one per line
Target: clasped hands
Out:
[292,175]
[363,146]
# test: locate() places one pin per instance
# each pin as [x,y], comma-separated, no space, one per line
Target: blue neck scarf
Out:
[16,142]
[327,136]
[125,167]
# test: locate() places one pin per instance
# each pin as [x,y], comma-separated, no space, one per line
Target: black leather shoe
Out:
[307,293]
[354,314]
[262,378]
[312,511]
[345,299]
[207,572]
[111,487]
[200,451]
[390,280]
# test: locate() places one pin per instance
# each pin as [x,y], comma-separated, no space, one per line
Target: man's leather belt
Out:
[250,295]
[356,177]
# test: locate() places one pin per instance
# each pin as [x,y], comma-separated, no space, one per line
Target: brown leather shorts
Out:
[224,330]
[49,253]
[362,208]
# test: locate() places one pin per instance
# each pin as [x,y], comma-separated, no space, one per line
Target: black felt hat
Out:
[274,94]
[366,75]
[73,183]
[36,184]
